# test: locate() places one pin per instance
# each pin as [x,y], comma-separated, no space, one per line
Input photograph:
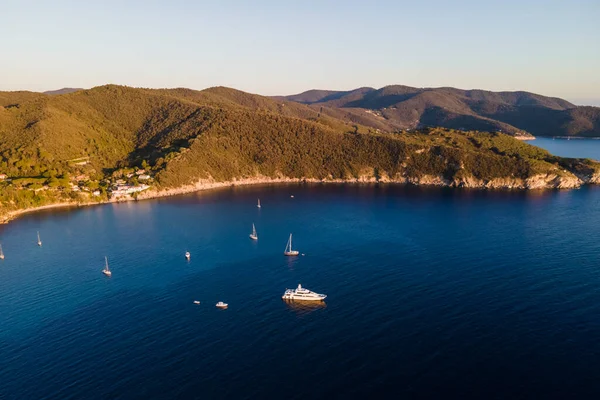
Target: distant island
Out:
[114,143]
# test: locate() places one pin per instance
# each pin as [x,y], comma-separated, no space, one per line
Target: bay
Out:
[431,293]
[574,148]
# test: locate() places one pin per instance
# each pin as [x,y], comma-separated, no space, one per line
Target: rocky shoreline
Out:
[541,181]
[536,182]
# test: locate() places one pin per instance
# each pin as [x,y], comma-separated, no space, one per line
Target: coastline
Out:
[542,181]
[538,182]
[524,138]
[11,215]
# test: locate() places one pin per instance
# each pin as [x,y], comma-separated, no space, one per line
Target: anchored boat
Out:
[253,235]
[288,248]
[302,294]
[106,271]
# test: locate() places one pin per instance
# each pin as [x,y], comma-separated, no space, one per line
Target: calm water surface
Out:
[432,294]
[577,148]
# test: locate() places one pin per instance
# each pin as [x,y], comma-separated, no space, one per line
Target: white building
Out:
[124,190]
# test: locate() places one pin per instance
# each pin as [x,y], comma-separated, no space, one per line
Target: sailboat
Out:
[39,240]
[288,248]
[1,253]
[258,205]
[253,235]
[106,270]
[187,255]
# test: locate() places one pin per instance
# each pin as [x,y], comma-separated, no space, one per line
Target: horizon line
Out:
[594,102]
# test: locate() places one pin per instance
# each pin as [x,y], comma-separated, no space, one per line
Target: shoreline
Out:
[542,182]
[11,215]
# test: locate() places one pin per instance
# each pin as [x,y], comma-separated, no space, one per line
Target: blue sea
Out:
[575,148]
[432,293]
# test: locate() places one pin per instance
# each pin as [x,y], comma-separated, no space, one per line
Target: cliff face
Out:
[541,181]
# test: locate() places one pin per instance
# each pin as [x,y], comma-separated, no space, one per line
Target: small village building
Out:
[123,190]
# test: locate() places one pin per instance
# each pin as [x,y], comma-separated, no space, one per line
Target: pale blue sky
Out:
[284,47]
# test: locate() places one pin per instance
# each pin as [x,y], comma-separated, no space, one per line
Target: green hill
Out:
[67,147]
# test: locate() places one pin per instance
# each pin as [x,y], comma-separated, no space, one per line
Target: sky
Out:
[284,47]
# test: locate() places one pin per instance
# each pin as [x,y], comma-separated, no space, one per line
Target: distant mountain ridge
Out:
[65,90]
[399,107]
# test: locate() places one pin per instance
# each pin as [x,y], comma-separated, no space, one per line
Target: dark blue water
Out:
[432,294]
[575,148]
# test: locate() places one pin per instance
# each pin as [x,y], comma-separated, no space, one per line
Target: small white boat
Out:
[106,271]
[292,196]
[187,255]
[302,294]
[1,253]
[222,305]
[196,302]
[39,242]
[288,248]
[258,205]
[253,235]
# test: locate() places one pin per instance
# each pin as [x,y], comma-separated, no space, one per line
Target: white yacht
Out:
[106,270]
[196,301]
[39,240]
[303,294]
[258,205]
[288,248]
[187,255]
[1,253]
[253,235]
[222,305]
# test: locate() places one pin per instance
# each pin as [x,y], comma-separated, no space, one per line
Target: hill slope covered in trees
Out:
[90,145]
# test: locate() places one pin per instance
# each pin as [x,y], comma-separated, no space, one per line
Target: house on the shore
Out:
[3,177]
[125,190]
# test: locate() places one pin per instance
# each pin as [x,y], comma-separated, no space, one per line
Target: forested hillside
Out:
[90,145]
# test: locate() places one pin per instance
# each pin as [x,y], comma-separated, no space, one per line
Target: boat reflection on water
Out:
[304,307]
